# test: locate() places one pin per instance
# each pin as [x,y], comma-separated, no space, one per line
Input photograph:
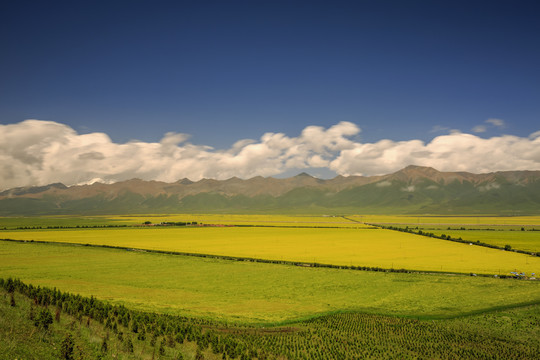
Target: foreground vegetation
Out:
[86,328]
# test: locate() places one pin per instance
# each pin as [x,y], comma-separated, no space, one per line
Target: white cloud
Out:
[453,152]
[35,152]
[439,128]
[498,123]
[479,129]
[495,122]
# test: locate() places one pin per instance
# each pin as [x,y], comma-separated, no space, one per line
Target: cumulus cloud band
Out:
[35,152]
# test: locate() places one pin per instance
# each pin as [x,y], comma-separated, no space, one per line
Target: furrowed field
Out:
[235,308]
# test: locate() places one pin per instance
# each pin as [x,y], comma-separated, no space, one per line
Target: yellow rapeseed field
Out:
[339,246]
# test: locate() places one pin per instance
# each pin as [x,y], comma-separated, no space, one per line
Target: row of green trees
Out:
[162,330]
[337,336]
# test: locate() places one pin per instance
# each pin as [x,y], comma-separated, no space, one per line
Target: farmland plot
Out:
[337,246]
[242,291]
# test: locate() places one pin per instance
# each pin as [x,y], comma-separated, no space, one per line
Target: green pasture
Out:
[330,220]
[250,220]
[337,246]
[11,223]
[248,292]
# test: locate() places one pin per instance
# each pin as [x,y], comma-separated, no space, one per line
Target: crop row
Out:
[338,336]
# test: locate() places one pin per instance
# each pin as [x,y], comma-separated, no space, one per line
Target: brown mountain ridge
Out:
[414,188]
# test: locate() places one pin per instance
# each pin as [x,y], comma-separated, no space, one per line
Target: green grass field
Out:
[259,219]
[251,292]
[338,246]
[11,223]
[503,334]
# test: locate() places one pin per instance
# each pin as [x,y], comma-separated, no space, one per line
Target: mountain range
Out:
[412,190]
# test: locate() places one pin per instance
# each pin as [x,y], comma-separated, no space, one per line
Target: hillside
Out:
[413,189]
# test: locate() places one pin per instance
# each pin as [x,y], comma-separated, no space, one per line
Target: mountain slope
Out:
[413,189]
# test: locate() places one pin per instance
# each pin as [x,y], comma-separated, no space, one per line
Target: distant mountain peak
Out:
[415,172]
[418,168]
[185,181]
[304,174]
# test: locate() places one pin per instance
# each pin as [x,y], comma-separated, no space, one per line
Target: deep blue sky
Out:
[226,70]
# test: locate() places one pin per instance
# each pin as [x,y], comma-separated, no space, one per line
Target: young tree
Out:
[199,355]
[161,350]
[129,345]
[10,285]
[66,348]
[44,319]
[31,314]
[104,345]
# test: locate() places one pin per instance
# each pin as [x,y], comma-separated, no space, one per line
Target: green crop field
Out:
[251,292]
[10,223]
[271,220]
[338,246]
[237,219]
